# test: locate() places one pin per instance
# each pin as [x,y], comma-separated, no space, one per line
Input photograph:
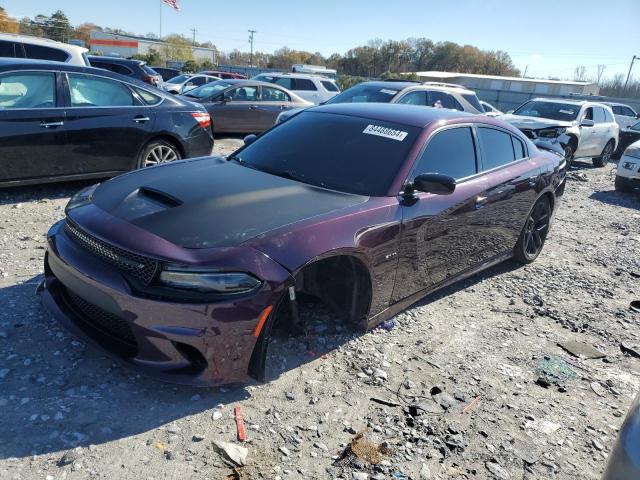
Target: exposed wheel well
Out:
[573,143]
[341,282]
[551,198]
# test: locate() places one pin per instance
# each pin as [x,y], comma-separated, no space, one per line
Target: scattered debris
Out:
[382,401]
[364,449]
[543,426]
[234,453]
[497,470]
[634,351]
[554,371]
[388,325]
[473,403]
[598,389]
[69,457]
[581,350]
[239,417]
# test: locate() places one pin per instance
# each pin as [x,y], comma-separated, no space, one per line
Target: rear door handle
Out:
[253,107]
[533,181]
[480,202]
[141,119]
[51,124]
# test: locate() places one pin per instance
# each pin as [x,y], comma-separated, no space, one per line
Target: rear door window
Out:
[497,147]
[45,53]
[91,91]
[450,152]
[473,100]
[415,98]
[285,82]
[27,90]
[7,49]
[121,69]
[608,117]
[304,84]
[244,94]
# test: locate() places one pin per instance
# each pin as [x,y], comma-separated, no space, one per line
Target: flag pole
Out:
[160,2]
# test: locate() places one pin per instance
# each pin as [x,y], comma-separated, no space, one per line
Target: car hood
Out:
[533,123]
[210,202]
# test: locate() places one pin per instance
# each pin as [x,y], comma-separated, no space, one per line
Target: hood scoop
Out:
[145,201]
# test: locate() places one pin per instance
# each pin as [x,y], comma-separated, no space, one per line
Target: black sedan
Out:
[247,106]
[628,135]
[64,122]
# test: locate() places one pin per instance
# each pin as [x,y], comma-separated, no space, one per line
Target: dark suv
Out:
[131,68]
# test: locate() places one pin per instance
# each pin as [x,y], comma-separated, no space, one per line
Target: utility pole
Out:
[630,67]
[251,32]
[524,75]
[193,31]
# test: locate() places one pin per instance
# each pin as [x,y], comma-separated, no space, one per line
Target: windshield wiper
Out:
[234,158]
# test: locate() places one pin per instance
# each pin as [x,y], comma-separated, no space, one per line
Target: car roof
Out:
[615,104]
[295,74]
[569,101]
[412,115]
[40,41]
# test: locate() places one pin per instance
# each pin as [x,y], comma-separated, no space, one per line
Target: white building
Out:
[113,44]
[537,86]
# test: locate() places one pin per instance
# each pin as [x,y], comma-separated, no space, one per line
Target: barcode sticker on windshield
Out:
[388,92]
[385,132]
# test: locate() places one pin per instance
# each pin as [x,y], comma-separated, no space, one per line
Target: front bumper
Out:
[185,343]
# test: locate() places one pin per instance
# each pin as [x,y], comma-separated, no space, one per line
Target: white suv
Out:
[628,173]
[624,114]
[579,127]
[313,88]
[23,46]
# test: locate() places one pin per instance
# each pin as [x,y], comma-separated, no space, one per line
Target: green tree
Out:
[178,48]
[57,27]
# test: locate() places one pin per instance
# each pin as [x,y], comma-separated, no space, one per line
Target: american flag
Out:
[173,4]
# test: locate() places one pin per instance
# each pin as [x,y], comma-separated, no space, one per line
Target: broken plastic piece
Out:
[237,413]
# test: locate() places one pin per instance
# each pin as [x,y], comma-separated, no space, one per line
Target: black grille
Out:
[105,322]
[140,267]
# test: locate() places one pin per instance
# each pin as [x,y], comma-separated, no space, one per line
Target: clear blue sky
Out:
[551,37]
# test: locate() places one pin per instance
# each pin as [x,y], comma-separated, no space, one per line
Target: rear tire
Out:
[534,233]
[605,156]
[157,152]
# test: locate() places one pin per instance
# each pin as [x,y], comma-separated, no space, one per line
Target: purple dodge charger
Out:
[182,270]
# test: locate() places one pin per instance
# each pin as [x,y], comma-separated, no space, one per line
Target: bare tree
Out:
[601,69]
[580,73]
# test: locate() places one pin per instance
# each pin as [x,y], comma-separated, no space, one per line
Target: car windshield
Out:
[635,126]
[349,154]
[179,79]
[555,111]
[365,93]
[208,90]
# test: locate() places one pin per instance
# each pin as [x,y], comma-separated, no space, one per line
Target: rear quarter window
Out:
[147,97]
[330,86]
[7,49]
[45,53]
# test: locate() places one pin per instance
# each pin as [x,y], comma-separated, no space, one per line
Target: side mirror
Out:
[510,111]
[436,183]
[587,123]
[225,98]
[249,139]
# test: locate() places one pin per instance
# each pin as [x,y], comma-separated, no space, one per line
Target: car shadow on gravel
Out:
[618,199]
[56,394]
[49,191]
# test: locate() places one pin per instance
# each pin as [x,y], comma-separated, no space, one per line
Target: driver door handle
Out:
[141,119]
[51,124]
[253,107]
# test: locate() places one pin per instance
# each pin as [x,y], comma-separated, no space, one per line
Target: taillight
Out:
[203,119]
[148,79]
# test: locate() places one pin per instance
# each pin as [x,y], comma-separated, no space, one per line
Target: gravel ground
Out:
[469,384]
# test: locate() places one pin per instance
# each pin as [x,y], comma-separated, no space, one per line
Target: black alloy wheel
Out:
[534,232]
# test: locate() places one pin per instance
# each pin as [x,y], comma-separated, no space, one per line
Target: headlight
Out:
[208,281]
[83,197]
[632,152]
[629,165]
[551,132]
